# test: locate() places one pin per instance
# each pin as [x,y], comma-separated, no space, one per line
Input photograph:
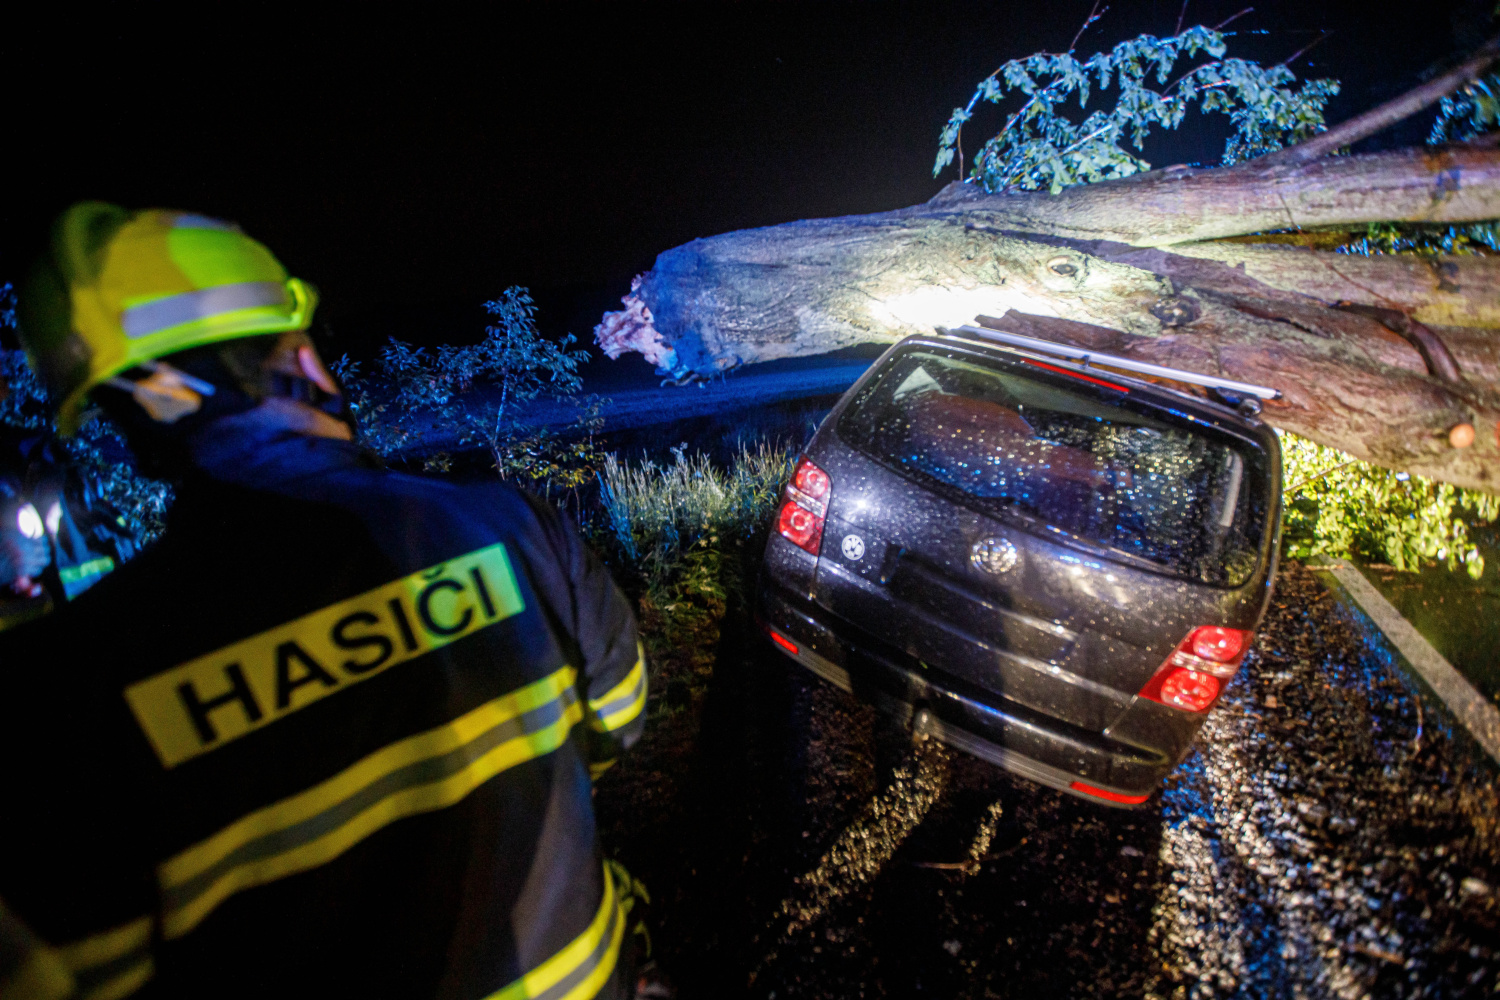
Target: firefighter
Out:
[332,735]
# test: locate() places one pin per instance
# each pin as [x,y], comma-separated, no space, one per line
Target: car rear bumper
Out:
[1045,750]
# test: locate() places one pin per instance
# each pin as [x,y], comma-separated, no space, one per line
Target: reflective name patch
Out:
[205,703]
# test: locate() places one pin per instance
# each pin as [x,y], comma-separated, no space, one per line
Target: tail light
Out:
[1104,793]
[1194,675]
[800,520]
[810,483]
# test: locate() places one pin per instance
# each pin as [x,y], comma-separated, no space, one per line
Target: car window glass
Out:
[1151,488]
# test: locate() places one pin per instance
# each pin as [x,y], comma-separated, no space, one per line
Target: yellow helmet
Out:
[119,288]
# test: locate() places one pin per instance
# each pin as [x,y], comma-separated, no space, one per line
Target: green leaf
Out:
[1040,146]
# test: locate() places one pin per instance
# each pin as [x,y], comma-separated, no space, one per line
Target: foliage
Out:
[551,461]
[1337,505]
[99,448]
[1429,240]
[681,615]
[411,391]
[1471,112]
[658,517]
[1040,147]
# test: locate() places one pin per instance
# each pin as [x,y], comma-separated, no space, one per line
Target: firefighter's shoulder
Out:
[462,515]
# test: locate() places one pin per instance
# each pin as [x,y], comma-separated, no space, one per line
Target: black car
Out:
[1052,567]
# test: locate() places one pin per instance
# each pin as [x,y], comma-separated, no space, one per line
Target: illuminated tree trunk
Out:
[1382,357]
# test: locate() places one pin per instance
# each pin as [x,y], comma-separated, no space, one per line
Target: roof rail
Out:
[1126,364]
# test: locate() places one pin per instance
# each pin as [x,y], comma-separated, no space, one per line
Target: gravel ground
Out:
[1327,839]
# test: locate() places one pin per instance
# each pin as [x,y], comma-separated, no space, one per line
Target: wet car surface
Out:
[1054,569]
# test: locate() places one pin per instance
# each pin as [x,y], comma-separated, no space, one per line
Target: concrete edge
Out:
[1468,707]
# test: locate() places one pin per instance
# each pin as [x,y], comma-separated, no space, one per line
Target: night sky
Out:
[413,164]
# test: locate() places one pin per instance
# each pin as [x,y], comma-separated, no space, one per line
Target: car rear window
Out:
[1084,461]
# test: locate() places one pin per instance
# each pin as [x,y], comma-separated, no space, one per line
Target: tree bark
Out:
[1181,205]
[1123,266]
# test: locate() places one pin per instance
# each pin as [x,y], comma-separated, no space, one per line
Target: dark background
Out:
[412,164]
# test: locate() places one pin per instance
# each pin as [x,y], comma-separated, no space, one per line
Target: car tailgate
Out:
[1028,634]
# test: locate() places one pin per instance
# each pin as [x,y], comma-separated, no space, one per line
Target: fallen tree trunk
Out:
[1356,344]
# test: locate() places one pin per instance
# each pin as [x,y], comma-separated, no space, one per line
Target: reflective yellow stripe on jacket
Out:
[623,703]
[116,963]
[422,773]
[111,964]
[584,965]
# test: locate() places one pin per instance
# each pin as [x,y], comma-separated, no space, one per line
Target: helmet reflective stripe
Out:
[175,310]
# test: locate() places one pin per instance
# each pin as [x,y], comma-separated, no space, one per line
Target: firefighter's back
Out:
[325,737]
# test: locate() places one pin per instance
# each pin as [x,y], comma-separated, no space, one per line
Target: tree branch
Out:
[1313,479]
[1438,291]
[1305,49]
[1389,113]
[1232,18]
[1094,14]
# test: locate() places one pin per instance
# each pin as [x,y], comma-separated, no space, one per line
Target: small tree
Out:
[520,363]
[481,391]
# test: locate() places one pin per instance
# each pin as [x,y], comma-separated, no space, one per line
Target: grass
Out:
[662,520]
[682,539]
[1460,616]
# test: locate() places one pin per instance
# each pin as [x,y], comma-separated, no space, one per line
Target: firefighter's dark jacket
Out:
[332,736]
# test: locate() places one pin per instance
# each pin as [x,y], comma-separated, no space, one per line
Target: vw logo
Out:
[853,547]
[993,555]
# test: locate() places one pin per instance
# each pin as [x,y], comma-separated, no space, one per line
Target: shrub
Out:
[1041,147]
[1338,505]
[478,392]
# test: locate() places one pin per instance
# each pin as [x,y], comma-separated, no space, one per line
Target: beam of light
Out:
[944,305]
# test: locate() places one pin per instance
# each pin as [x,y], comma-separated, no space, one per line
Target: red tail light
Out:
[1194,675]
[801,518]
[1188,689]
[800,526]
[812,481]
[1105,793]
[782,641]
[1220,644]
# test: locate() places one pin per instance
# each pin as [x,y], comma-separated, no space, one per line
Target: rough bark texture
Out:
[1122,265]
